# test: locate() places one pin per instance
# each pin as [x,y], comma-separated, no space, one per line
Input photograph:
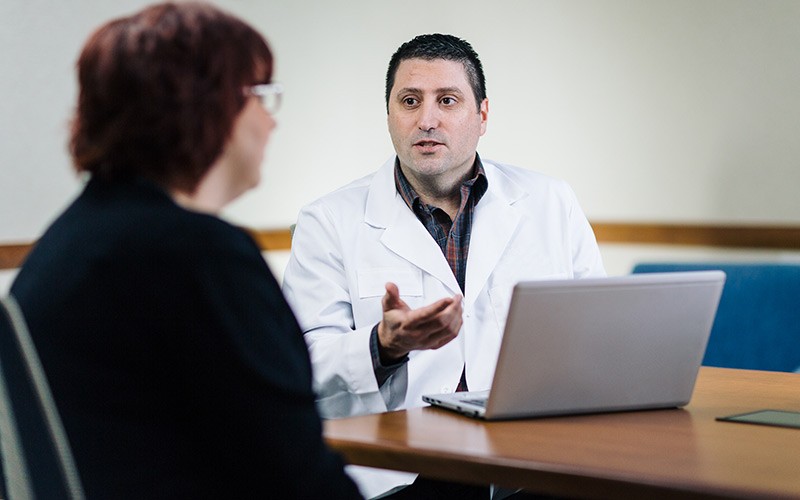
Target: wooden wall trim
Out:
[12,255]
[729,236]
[272,239]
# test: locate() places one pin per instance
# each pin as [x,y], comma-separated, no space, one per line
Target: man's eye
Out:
[448,101]
[410,101]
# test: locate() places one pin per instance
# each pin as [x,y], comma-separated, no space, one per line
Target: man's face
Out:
[433,119]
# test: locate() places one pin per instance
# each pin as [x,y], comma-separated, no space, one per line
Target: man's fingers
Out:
[442,341]
[444,335]
[391,299]
[439,330]
[447,307]
[446,327]
[430,327]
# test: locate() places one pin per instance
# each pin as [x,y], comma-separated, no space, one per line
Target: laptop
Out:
[598,345]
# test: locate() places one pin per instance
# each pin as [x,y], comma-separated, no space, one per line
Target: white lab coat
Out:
[349,243]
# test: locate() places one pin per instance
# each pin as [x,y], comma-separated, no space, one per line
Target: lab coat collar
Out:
[494,223]
[382,197]
[404,234]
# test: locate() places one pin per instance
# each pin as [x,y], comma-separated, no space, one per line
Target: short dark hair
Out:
[439,46]
[160,91]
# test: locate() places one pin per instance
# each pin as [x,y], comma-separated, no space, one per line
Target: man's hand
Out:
[403,330]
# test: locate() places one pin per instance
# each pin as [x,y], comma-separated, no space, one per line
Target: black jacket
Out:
[177,366]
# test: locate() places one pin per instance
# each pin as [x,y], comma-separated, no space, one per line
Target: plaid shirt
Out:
[452,236]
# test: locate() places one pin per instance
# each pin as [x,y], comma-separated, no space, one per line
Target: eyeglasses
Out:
[269,94]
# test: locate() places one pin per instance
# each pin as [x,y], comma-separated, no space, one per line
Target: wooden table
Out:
[647,454]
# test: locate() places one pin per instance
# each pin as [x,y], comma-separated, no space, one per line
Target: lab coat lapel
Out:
[408,238]
[493,225]
[404,234]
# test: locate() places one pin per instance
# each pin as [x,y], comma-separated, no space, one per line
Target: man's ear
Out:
[484,112]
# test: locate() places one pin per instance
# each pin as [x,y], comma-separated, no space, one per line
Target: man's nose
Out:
[428,118]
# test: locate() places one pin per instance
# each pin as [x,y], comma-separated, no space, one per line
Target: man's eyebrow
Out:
[449,90]
[409,90]
[441,90]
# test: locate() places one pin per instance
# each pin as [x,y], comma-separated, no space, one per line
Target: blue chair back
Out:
[758,320]
[36,459]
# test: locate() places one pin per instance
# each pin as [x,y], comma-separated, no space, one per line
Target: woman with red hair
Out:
[175,362]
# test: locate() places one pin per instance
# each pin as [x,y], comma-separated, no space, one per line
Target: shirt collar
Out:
[477,181]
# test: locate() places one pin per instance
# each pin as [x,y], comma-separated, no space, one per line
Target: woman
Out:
[177,366]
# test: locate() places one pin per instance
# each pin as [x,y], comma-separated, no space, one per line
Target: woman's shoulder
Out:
[143,219]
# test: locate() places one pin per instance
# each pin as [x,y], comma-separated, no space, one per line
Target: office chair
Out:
[37,461]
[758,320]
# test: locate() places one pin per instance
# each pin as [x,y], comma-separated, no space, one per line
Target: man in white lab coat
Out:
[401,280]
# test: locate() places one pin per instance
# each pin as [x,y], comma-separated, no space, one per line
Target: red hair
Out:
[160,90]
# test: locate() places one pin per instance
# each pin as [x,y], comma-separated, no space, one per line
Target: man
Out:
[402,280]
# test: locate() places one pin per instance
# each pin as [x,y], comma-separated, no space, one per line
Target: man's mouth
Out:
[427,144]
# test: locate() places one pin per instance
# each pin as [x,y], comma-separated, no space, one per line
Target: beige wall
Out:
[679,110]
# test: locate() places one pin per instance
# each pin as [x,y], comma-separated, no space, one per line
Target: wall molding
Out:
[272,239]
[708,235]
[12,255]
[711,235]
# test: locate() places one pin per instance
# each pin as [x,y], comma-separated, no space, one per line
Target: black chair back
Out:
[36,458]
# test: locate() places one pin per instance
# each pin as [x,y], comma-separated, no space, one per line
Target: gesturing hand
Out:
[403,329]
